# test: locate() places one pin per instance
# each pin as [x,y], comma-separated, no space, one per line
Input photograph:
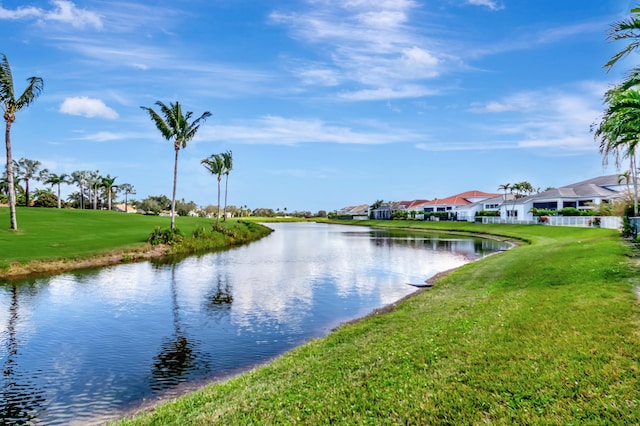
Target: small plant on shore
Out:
[165,236]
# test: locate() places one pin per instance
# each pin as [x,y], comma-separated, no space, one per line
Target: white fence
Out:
[609,222]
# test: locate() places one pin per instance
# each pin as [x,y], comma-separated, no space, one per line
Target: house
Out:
[459,205]
[359,212]
[122,208]
[579,195]
[386,211]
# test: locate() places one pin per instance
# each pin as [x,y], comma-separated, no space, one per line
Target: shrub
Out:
[165,236]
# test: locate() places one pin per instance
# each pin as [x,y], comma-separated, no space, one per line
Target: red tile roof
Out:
[460,199]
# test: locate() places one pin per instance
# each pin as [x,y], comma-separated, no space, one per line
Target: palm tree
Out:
[93,182]
[505,187]
[11,105]
[81,178]
[54,179]
[127,188]
[619,131]
[26,171]
[107,182]
[215,165]
[227,159]
[175,126]
[624,30]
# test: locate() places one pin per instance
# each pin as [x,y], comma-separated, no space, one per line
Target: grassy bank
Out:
[48,240]
[545,333]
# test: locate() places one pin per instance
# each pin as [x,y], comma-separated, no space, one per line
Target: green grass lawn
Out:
[45,234]
[545,333]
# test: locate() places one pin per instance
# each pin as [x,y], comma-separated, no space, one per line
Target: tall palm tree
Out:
[505,187]
[215,165]
[127,188]
[26,170]
[619,131]
[107,182]
[227,159]
[93,182]
[10,105]
[175,126]
[55,179]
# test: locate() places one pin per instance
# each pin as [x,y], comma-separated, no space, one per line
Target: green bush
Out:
[165,236]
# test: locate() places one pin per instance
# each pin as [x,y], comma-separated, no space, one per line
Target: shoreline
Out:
[40,268]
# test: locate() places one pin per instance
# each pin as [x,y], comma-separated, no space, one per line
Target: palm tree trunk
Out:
[226,188]
[173,197]
[11,190]
[26,192]
[634,172]
[59,195]
[218,213]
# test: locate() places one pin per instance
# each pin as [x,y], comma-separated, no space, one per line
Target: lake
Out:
[86,347]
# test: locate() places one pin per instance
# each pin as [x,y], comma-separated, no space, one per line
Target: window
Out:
[491,206]
[585,203]
[566,204]
[551,205]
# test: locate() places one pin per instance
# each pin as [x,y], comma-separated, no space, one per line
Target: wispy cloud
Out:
[371,44]
[558,121]
[87,107]
[287,131]
[63,11]
[490,4]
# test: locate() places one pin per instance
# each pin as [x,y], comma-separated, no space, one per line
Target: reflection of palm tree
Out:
[177,356]
[20,402]
[220,298]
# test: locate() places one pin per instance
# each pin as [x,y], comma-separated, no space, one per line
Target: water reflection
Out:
[79,347]
[21,399]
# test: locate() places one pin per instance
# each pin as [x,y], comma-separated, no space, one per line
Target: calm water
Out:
[84,347]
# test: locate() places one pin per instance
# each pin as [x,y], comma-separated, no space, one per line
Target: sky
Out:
[323,103]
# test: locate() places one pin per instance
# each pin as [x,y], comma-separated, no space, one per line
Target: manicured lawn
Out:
[545,333]
[64,233]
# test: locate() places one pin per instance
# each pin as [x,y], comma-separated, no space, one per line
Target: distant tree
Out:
[94,180]
[227,159]
[127,189]
[81,178]
[183,208]
[155,204]
[175,127]
[321,213]
[55,179]
[26,170]
[10,105]
[107,182]
[45,198]
[263,212]
[215,165]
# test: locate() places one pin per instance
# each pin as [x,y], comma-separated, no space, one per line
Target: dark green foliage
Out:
[491,213]
[567,211]
[45,198]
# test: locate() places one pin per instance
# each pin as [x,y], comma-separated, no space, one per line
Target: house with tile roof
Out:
[458,204]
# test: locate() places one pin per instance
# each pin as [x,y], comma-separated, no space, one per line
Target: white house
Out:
[579,195]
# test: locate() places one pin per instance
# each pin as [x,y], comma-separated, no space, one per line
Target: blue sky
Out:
[324,103]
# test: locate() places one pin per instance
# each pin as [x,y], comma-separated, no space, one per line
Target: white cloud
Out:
[87,107]
[63,11]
